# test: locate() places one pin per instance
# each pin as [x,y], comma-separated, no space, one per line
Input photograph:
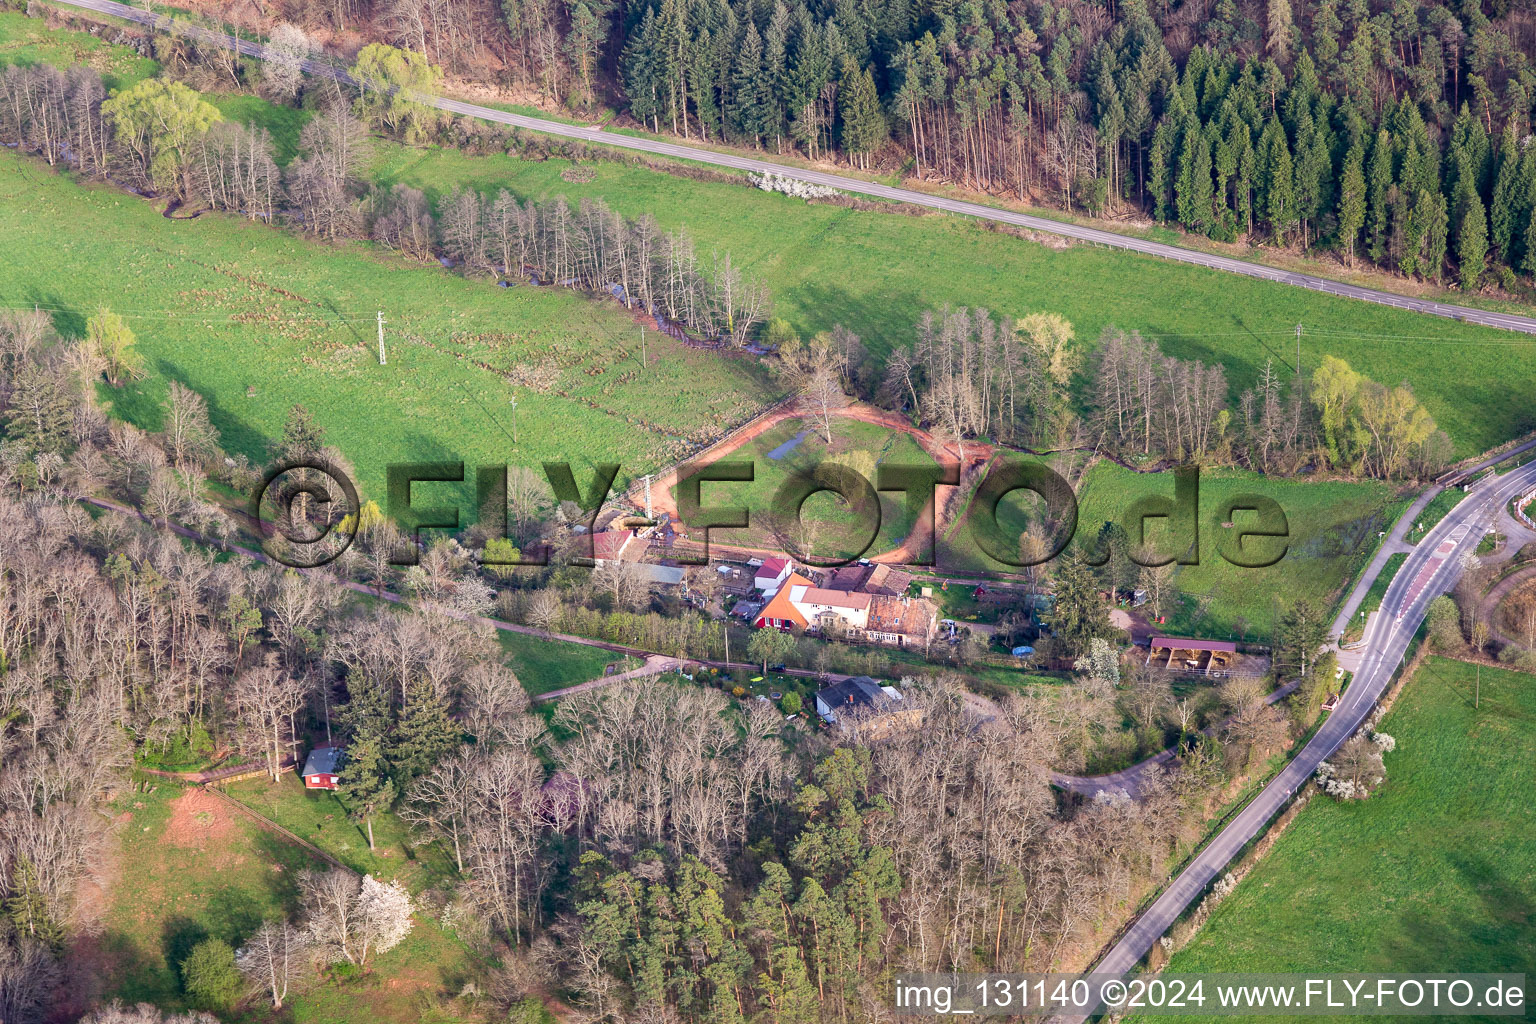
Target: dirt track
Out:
[976,454]
[1488,611]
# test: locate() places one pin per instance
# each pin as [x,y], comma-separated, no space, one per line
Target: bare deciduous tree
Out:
[439,804]
[815,369]
[627,581]
[493,700]
[333,148]
[272,958]
[267,699]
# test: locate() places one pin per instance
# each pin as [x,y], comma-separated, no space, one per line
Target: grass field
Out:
[259,320]
[1332,526]
[1436,873]
[320,817]
[190,868]
[876,273]
[1435,511]
[25,40]
[544,665]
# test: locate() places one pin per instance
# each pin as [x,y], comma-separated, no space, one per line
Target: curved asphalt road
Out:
[1432,568]
[1133,780]
[324,68]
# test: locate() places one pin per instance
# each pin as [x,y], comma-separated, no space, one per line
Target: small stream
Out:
[788,446]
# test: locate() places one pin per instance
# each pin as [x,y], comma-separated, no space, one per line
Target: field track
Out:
[977,454]
[1077,232]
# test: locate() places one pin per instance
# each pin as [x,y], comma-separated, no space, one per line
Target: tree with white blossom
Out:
[770,182]
[287,49]
[355,920]
[1102,663]
[1357,769]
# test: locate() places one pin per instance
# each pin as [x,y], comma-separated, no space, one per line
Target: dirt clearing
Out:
[199,820]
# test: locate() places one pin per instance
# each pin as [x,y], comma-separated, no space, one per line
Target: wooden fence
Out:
[278,830]
[229,773]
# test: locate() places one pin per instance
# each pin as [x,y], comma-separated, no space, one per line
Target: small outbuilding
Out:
[771,574]
[862,706]
[1198,657]
[322,767]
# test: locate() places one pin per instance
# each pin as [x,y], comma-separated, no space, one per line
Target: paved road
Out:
[1431,569]
[680,151]
[1133,780]
[1430,566]
[1397,540]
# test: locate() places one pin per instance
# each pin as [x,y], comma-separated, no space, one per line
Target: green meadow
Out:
[259,320]
[321,817]
[190,867]
[1434,873]
[542,665]
[876,273]
[1332,529]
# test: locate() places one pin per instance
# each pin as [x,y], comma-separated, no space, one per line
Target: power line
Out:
[591,317]
[187,317]
[493,419]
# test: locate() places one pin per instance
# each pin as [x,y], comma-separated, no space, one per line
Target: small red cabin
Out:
[321,768]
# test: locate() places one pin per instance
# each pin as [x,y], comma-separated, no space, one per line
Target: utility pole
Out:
[513,403]
[1298,350]
[642,346]
[381,338]
[1477,696]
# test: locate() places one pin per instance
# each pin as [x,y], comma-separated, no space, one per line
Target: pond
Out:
[788,446]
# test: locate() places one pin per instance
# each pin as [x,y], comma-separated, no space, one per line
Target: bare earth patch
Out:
[199,820]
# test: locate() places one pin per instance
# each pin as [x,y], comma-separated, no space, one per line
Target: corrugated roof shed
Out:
[1174,643]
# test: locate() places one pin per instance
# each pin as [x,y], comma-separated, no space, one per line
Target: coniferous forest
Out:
[1394,134]
[589,808]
